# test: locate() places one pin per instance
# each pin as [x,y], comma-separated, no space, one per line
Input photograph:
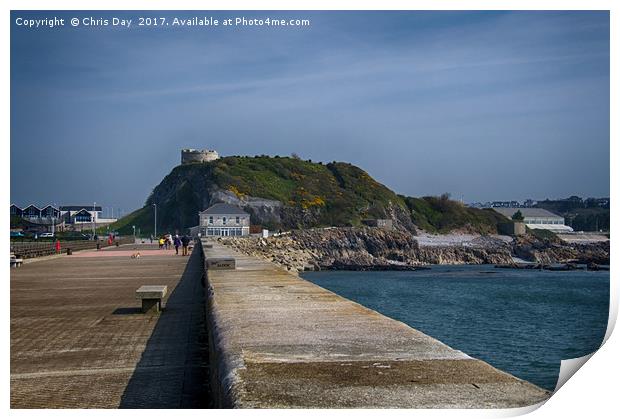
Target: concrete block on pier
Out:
[151,296]
[220,264]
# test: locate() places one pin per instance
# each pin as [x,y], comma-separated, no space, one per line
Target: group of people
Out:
[167,241]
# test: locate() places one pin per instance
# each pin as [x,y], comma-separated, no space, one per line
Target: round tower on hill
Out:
[190,155]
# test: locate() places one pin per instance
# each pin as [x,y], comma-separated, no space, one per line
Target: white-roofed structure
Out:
[537,218]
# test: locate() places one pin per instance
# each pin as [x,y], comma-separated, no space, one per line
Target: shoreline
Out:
[374,249]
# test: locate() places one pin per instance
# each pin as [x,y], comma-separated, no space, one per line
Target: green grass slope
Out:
[442,215]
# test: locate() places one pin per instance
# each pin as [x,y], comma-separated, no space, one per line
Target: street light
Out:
[53,221]
[94,222]
[134,234]
[155,229]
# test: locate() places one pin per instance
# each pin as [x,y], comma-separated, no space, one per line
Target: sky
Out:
[482,105]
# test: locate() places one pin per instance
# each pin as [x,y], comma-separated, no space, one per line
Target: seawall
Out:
[276,340]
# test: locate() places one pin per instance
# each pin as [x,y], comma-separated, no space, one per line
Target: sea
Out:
[521,321]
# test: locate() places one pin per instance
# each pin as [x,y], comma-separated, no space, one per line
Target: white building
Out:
[538,218]
[224,220]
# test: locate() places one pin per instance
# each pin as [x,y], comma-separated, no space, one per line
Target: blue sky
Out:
[484,105]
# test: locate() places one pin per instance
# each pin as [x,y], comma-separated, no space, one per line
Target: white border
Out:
[591,393]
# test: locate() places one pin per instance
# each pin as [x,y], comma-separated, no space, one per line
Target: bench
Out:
[151,296]
[15,261]
[220,264]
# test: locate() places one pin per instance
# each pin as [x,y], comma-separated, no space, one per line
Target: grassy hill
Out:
[309,194]
[289,193]
[442,215]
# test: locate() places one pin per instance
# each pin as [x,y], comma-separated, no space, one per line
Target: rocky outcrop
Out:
[555,251]
[374,249]
[363,249]
[264,211]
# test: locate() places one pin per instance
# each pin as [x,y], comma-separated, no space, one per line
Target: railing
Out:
[27,250]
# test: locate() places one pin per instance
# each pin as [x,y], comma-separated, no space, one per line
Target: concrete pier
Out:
[79,338]
[277,340]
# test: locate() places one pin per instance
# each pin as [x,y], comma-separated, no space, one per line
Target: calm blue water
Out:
[522,322]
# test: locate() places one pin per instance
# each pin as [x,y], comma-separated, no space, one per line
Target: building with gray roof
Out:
[224,220]
[537,218]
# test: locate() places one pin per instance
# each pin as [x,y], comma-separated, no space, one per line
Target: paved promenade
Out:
[281,341]
[79,340]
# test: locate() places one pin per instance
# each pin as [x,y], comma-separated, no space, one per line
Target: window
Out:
[211,220]
[83,218]
[237,220]
[224,220]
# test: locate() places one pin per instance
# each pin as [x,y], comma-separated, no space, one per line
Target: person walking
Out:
[57,246]
[177,243]
[185,242]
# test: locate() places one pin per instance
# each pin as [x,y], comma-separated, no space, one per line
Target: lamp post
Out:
[53,221]
[155,225]
[94,222]
[134,233]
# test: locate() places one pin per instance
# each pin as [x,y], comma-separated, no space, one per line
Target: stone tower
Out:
[190,155]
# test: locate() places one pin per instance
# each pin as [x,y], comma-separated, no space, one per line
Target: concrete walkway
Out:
[79,340]
[281,341]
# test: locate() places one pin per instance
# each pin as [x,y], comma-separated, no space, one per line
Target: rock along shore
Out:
[353,248]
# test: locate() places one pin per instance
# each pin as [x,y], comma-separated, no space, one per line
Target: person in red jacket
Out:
[57,246]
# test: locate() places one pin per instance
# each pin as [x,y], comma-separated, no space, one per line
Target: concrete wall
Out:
[276,340]
[512,228]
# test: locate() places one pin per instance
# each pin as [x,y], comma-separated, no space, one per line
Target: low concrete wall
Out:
[277,340]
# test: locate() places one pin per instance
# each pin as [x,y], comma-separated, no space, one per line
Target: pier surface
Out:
[277,340]
[79,339]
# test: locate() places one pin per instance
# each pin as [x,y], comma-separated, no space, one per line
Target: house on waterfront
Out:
[75,217]
[223,220]
[537,218]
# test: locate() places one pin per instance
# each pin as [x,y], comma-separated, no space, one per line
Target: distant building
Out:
[537,218]
[224,220]
[35,214]
[75,216]
[190,155]
[505,204]
[16,211]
